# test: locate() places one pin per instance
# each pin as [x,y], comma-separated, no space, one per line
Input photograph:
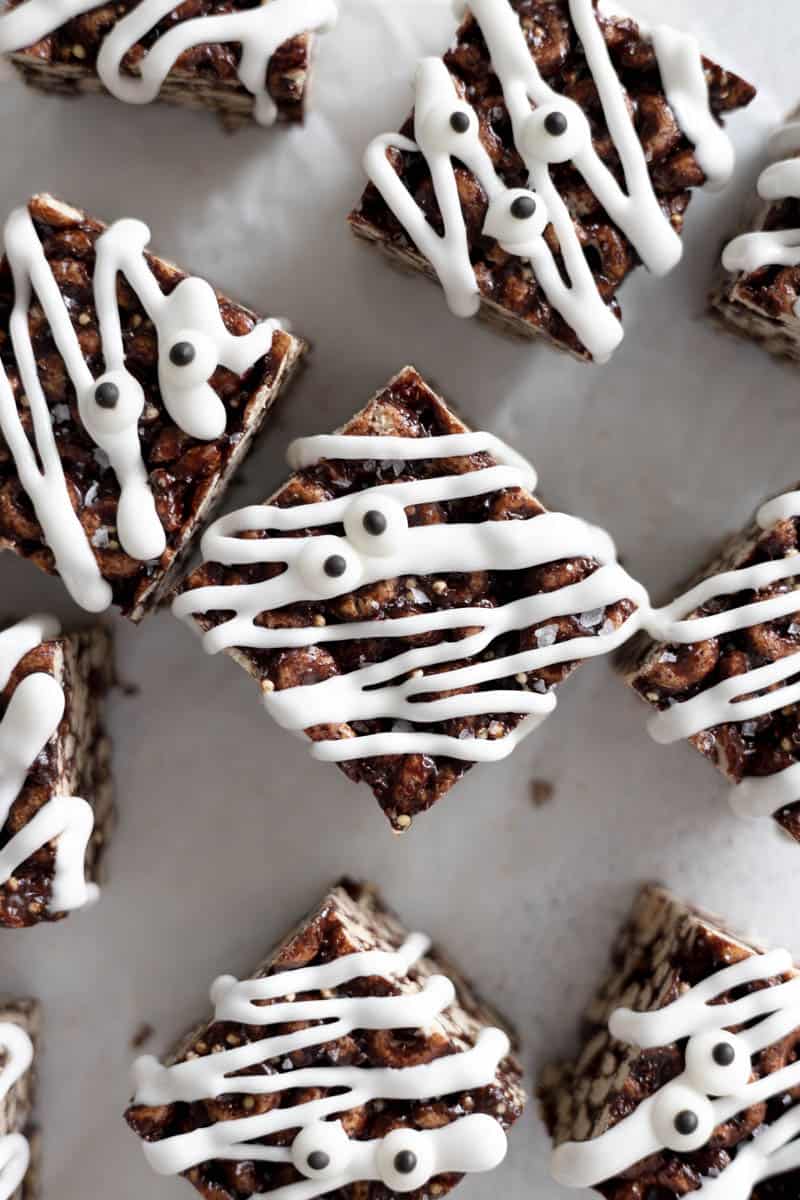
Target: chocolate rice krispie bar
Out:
[685,1082]
[562,143]
[242,59]
[57,808]
[19,1138]
[758,294]
[721,665]
[355,1062]
[406,600]
[128,399]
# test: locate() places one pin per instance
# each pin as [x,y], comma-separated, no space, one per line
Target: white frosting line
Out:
[711,1090]
[110,406]
[781,181]
[31,719]
[518,217]
[259,31]
[474,1143]
[723,703]
[399,689]
[15,1152]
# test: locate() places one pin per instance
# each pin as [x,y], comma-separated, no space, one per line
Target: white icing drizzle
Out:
[472,1143]
[714,1086]
[780,181]
[554,131]
[398,550]
[31,719]
[193,341]
[15,1151]
[259,31]
[723,703]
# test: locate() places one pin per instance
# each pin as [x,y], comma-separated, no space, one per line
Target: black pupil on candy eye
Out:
[523,207]
[459,121]
[335,566]
[182,353]
[318,1160]
[724,1054]
[106,395]
[686,1122]
[555,123]
[405,1162]
[375,522]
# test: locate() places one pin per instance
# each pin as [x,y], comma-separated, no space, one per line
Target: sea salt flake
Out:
[589,620]
[547,635]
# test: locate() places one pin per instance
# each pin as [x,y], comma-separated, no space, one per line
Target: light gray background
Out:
[227,829]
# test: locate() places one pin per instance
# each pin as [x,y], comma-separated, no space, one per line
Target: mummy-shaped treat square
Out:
[56,803]
[355,1062]
[759,293]
[687,1080]
[129,395]
[406,600]
[721,664]
[19,1032]
[242,59]
[550,153]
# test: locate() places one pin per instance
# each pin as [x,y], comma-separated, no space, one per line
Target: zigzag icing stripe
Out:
[472,1143]
[555,130]
[192,340]
[362,557]
[724,702]
[15,1151]
[714,1087]
[780,181]
[31,719]
[259,31]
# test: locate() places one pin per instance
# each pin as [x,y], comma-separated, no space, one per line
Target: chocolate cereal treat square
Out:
[687,1077]
[405,599]
[241,59]
[354,1062]
[721,665]
[551,151]
[758,295]
[129,395]
[19,1139]
[56,799]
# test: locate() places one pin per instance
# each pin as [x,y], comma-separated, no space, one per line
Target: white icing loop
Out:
[781,181]
[192,341]
[31,719]
[714,1087]
[322,1152]
[259,31]
[15,1152]
[723,702]
[399,689]
[554,130]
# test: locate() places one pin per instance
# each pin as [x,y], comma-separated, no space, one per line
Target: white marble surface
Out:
[227,830]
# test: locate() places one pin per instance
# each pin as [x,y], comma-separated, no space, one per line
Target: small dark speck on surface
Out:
[142,1035]
[541,792]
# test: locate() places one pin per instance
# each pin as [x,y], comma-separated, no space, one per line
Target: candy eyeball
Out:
[190,358]
[329,567]
[113,403]
[322,1150]
[515,218]
[718,1063]
[683,1119]
[376,525]
[405,1161]
[445,128]
[555,133]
